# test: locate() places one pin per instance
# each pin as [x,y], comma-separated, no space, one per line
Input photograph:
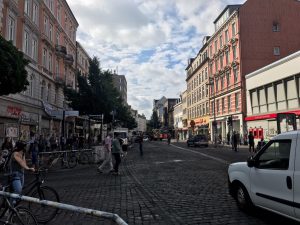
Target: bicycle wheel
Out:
[43,213]
[72,160]
[22,216]
[83,158]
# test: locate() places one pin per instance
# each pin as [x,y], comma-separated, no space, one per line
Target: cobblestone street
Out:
[168,185]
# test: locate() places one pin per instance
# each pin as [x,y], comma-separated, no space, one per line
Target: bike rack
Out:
[111,216]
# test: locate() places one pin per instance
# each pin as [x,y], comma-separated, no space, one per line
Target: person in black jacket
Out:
[251,142]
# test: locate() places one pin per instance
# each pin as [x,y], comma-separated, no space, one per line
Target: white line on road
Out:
[205,155]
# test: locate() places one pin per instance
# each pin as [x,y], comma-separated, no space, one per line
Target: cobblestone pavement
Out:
[170,184]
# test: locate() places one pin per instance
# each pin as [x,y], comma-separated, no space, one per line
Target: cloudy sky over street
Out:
[148,41]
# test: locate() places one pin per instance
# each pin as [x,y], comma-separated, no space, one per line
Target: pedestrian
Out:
[169,138]
[228,138]
[42,143]
[53,143]
[234,141]
[140,140]
[251,142]
[6,149]
[34,150]
[177,137]
[18,165]
[116,151]
[107,155]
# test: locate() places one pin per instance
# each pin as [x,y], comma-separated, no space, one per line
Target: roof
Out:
[233,7]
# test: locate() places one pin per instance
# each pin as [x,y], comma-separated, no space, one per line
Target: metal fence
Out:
[106,215]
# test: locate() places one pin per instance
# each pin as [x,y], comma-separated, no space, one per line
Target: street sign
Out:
[57,114]
[99,117]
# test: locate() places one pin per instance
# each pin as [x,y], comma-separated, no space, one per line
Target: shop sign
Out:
[13,111]
[11,132]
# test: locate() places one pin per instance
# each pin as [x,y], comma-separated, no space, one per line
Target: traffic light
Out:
[229,121]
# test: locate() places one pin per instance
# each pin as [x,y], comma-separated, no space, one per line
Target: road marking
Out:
[205,155]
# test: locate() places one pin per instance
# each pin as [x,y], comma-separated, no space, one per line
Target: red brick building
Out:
[247,37]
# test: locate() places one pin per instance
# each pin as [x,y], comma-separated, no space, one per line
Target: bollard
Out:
[111,216]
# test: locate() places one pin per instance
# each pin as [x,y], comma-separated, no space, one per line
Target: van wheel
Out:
[242,198]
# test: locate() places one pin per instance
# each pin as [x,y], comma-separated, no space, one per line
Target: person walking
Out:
[234,141]
[251,142]
[18,165]
[107,155]
[228,138]
[116,151]
[169,138]
[141,144]
[34,150]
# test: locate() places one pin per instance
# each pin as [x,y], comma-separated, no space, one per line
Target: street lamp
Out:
[214,123]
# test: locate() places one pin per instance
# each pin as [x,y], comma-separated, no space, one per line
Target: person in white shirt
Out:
[107,158]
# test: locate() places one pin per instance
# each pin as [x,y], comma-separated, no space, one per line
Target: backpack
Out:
[5,163]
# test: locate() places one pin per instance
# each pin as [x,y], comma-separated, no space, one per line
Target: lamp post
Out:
[214,123]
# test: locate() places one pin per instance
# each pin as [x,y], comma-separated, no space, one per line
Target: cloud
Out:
[149,41]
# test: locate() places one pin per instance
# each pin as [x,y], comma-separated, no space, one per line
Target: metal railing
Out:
[101,214]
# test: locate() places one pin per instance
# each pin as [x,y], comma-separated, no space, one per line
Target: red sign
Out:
[269,116]
[14,111]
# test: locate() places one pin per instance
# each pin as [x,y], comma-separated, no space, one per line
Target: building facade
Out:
[246,38]
[82,60]
[120,83]
[184,133]
[276,92]
[198,92]
[178,117]
[46,33]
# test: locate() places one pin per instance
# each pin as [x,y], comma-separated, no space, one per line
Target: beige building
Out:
[184,132]
[198,92]
[82,60]
[46,32]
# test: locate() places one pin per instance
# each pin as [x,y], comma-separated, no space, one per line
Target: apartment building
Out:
[178,125]
[184,133]
[46,32]
[120,83]
[247,37]
[198,92]
[82,59]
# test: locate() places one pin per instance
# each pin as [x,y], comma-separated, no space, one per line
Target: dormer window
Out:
[275,27]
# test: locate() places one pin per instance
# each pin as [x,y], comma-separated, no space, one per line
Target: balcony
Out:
[60,50]
[69,59]
[233,40]
[59,80]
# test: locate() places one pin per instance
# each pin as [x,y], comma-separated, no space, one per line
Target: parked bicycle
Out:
[15,215]
[37,189]
[66,158]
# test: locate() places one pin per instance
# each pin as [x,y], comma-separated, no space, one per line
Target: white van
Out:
[271,178]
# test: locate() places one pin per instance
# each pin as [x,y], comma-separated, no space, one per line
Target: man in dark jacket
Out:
[251,142]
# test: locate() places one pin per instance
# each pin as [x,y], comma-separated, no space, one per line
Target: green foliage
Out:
[13,76]
[97,95]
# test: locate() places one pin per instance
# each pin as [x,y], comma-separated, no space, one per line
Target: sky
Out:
[148,41]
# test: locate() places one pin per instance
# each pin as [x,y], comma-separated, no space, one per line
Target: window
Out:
[57,38]
[234,51]
[223,105]
[48,93]
[51,5]
[237,96]
[11,29]
[229,103]
[276,155]
[45,57]
[217,84]
[50,62]
[276,51]
[46,25]
[275,27]
[235,74]
[58,13]
[57,68]
[221,60]
[210,51]
[26,43]
[233,30]
[43,90]
[206,91]
[226,57]
[51,32]
[216,45]
[34,49]
[207,108]
[35,13]
[226,36]
[27,7]
[222,82]
[221,41]
[218,107]
[206,73]
[228,78]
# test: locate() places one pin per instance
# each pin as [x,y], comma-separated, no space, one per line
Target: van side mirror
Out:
[251,162]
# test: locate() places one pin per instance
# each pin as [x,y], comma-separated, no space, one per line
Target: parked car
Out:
[271,178]
[197,140]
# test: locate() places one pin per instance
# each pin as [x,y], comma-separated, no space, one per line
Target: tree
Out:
[13,75]
[97,95]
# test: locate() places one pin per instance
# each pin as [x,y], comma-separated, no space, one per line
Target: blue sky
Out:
[148,41]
